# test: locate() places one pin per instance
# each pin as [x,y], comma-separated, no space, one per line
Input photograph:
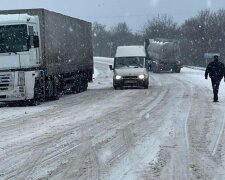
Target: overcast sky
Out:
[110,12]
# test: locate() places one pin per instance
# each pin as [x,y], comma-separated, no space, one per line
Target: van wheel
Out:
[116,87]
[146,86]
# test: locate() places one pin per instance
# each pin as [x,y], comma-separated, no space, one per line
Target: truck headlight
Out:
[141,76]
[118,77]
[21,78]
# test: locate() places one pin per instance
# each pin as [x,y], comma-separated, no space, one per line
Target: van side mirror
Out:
[111,67]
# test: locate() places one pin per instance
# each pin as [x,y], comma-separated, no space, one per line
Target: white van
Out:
[130,67]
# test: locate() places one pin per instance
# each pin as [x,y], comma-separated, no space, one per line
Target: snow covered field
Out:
[172,130]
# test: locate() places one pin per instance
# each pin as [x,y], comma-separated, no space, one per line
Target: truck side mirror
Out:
[36,41]
[28,42]
[111,67]
[33,41]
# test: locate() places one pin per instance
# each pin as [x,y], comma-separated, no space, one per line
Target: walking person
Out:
[216,72]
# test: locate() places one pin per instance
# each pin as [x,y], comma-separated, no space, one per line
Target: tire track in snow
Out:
[172,160]
[220,131]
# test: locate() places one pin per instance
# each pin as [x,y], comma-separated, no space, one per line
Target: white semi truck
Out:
[130,67]
[163,55]
[42,55]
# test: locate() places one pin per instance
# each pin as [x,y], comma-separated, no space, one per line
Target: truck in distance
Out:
[130,67]
[42,55]
[163,55]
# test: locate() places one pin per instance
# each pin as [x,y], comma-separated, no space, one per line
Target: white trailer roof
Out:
[130,51]
[16,18]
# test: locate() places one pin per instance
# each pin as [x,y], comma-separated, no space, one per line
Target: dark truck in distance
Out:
[43,54]
[163,55]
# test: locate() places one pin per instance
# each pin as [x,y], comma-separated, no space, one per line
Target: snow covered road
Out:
[172,130]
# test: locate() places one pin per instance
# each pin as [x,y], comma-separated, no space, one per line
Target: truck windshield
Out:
[13,38]
[136,62]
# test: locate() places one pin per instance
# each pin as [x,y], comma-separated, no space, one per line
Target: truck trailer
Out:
[163,55]
[43,54]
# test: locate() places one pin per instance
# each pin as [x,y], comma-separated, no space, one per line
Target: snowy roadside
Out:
[195,67]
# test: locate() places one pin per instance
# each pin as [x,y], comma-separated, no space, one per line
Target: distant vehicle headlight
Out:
[118,77]
[141,76]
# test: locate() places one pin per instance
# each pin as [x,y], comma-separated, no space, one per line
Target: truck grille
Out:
[2,96]
[6,80]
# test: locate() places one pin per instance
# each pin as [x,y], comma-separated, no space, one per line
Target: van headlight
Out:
[118,77]
[141,76]
[21,78]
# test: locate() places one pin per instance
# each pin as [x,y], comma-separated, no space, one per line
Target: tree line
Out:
[203,33]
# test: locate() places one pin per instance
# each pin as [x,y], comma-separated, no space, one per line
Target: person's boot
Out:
[215,100]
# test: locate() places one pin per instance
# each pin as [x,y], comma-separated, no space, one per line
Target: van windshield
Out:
[133,62]
[13,38]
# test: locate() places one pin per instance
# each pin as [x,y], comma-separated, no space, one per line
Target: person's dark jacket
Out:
[216,70]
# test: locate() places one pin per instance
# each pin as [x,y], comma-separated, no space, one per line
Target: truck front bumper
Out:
[13,95]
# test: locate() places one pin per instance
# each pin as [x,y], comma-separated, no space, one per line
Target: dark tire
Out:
[146,86]
[115,87]
[56,90]
[84,83]
[36,101]
[177,70]
[76,88]
[56,95]
[156,70]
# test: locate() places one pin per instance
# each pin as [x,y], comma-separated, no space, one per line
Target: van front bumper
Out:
[130,82]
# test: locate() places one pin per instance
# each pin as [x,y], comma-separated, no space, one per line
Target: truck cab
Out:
[19,56]
[130,67]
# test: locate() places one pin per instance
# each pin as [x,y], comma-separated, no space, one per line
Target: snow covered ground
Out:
[172,130]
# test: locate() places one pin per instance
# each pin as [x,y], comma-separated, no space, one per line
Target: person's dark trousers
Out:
[215,86]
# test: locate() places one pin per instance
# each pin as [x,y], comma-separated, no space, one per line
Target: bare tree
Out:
[204,33]
[100,37]
[122,35]
[161,27]
[105,41]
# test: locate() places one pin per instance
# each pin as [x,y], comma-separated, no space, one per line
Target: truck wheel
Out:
[153,69]
[56,95]
[156,70]
[78,85]
[37,90]
[177,70]
[84,84]
[56,92]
